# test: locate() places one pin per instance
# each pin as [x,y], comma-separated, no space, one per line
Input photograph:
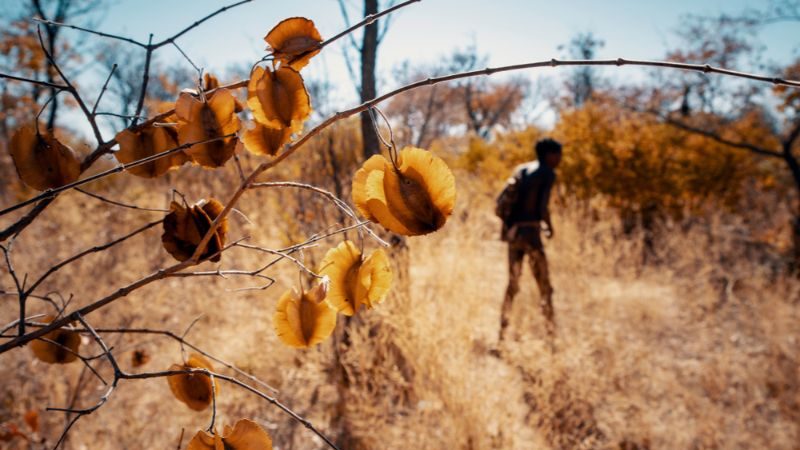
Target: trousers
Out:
[517,250]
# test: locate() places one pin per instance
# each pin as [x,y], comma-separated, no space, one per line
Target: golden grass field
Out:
[697,351]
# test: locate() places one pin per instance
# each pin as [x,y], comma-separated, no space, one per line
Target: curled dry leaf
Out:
[412,199]
[245,435]
[201,119]
[304,319]
[278,98]
[184,228]
[60,347]
[43,162]
[265,141]
[149,141]
[355,280]
[193,389]
[294,41]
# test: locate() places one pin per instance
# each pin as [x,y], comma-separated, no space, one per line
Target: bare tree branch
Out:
[722,140]
[50,193]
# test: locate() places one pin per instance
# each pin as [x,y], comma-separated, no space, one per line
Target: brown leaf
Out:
[278,98]
[62,350]
[200,120]
[43,162]
[294,41]
[149,141]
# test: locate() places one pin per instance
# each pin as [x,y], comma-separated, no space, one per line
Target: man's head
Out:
[548,151]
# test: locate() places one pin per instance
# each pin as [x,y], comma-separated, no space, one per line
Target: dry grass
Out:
[700,351]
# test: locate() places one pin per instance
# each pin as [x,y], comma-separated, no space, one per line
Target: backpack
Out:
[507,199]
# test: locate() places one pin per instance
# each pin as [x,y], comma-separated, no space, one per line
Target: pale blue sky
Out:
[509,31]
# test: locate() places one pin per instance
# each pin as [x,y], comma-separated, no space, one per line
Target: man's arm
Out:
[544,203]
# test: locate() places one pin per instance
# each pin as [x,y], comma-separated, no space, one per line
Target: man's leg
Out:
[515,256]
[538,262]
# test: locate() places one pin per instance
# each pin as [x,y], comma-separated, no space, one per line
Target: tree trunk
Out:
[794,168]
[369,53]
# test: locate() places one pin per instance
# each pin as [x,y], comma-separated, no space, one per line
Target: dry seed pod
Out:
[245,435]
[265,141]
[193,389]
[149,141]
[278,98]
[43,162]
[355,280]
[210,82]
[62,350]
[184,228]
[200,120]
[294,41]
[304,319]
[412,199]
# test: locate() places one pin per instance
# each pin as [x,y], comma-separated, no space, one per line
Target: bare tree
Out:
[477,103]
[583,81]
[367,52]
[706,106]
[59,11]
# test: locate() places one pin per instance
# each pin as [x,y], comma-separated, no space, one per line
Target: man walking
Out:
[523,207]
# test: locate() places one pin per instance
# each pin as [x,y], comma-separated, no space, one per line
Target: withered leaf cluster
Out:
[185,227]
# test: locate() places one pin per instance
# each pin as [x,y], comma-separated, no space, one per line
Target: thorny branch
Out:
[102,147]
[371,103]
[120,374]
[51,193]
[248,182]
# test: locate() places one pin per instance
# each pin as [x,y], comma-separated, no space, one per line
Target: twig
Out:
[14,323]
[20,287]
[145,78]
[87,30]
[91,307]
[103,90]
[198,22]
[284,255]
[366,21]
[197,69]
[36,82]
[716,137]
[213,403]
[71,89]
[104,398]
[119,374]
[180,439]
[270,399]
[183,341]
[85,360]
[120,204]
[95,249]
[341,204]
[50,193]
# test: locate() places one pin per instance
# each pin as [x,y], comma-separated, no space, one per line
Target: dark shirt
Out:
[534,182]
